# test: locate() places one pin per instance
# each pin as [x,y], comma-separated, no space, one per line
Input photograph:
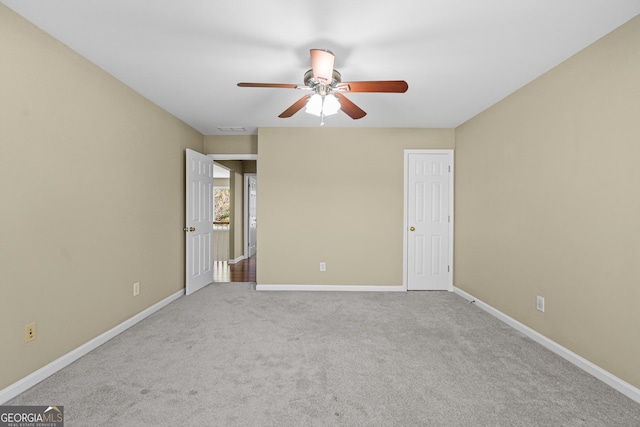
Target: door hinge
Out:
[448,269]
[449,218]
[449,168]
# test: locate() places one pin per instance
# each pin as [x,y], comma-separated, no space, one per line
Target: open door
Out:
[199,226]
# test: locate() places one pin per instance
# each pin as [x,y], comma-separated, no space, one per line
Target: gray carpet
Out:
[231,356]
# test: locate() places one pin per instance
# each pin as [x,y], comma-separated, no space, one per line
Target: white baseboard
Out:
[348,288]
[237,260]
[606,377]
[46,371]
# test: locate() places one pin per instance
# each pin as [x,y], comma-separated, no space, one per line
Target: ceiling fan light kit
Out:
[326,87]
[322,105]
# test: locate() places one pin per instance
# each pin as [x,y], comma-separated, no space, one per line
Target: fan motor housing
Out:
[336,78]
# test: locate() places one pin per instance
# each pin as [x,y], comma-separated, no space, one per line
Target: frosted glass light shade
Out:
[325,106]
[314,105]
[331,105]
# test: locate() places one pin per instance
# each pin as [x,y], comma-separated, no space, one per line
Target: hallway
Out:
[243,271]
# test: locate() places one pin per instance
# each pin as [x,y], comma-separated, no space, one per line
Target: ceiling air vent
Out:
[231,129]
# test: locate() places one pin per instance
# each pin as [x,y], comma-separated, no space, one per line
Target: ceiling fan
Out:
[326,88]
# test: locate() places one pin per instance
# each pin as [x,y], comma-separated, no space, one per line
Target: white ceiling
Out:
[458,56]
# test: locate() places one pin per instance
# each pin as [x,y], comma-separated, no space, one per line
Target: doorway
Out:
[240,265]
[428,235]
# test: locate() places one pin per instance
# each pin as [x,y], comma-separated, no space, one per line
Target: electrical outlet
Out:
[30,332]
[540,303]
[136,289]
[323,266]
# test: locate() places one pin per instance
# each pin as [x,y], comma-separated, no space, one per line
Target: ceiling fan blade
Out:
[297,106]
[322,65]
[396,86]
[350,109]
[277,85]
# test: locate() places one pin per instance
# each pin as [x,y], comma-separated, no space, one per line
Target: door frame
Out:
[246,211]
[405,225]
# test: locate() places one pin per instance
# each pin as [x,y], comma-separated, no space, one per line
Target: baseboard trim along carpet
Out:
[237,260]
[606,377]
[46,371]
[350,288]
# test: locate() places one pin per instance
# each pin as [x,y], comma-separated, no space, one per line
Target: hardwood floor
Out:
[243,271]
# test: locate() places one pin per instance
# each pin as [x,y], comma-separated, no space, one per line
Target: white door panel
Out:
[199,227]
[428,221]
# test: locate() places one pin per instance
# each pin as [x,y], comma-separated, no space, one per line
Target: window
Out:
[222,197]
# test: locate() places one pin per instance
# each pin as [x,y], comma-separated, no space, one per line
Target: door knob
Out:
[412,229]
[189,229]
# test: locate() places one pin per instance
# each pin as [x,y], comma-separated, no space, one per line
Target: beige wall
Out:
[250,166]
[547,203]
[91,199]
[231,144]
[334,195]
